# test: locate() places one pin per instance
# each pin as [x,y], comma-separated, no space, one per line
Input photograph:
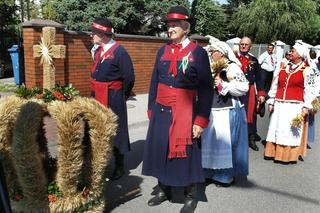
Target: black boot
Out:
[119,165]
[190,201]
[252,143]
[161,196]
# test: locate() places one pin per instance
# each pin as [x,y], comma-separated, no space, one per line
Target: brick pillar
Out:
[31,36]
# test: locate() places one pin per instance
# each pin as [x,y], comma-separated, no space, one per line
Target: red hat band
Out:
[176,16]
[103,28]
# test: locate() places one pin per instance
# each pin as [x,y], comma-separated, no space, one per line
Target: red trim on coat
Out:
[261,93]
[201,121]
[149,112]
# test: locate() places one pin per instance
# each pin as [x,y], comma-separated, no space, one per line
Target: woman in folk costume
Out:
[225,140]
[178,107]
[291,94]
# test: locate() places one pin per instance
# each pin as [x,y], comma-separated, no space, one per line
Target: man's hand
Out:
[262,99]
[197,131]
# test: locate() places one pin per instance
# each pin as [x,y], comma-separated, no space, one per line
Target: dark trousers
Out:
[268,76]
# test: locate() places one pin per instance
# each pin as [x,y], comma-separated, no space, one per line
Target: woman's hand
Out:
[270,108]
[217,81]
[305,111]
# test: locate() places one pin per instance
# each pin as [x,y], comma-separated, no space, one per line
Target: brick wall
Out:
[75,68]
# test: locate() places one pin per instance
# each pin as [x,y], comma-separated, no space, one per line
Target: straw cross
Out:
[47,51]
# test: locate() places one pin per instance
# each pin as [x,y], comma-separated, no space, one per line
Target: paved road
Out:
[270,187]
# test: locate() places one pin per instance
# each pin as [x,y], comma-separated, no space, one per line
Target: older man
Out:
[251,69]
[112,79]
[179,105]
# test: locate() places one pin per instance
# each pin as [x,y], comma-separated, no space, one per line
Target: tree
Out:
[285,20]
[208,18]
[238,3]
[8,29]
[131,17]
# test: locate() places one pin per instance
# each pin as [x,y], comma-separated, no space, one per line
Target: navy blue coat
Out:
[117,67]
[197,76]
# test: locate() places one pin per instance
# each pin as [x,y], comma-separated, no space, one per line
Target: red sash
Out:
[101,89]
[251,103]
[180,132]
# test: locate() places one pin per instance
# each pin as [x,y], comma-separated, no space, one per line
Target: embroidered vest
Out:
[291,84]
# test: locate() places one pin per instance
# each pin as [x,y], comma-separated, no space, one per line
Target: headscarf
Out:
[225,49]
[301,49]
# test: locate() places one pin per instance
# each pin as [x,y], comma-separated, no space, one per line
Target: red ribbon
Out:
[173,66]
[176,16]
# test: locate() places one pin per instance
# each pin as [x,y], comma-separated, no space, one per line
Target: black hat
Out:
[102,25]
[177,13]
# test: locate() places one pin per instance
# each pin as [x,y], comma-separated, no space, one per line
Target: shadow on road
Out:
[128,187]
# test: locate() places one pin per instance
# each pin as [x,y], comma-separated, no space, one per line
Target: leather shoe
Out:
[189,205]
[117,174]
[224,185]
[157,199]
[253,145]
[257,137]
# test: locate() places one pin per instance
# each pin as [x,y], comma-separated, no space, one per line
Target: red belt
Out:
[101,89]
[180,132]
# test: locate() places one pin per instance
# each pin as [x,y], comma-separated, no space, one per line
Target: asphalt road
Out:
[269,188]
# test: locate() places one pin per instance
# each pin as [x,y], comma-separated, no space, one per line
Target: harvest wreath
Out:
[77,185]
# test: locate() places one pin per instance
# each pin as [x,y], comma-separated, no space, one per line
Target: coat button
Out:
[162,109]
[170,86]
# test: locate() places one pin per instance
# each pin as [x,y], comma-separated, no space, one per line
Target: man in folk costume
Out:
[251,68]
[291,94]
[112,79]
[179,105]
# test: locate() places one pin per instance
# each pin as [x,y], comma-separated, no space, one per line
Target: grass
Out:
[8,87]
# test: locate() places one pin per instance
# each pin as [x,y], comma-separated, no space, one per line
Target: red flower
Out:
[52,198]
[58,96]
[39,96]
[85,193]
[18,196]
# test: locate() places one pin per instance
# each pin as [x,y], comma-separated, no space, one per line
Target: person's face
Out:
[97,37]
[245,45]
[288,55]
[216,55]
[175,31]
[270,49]
[294,55]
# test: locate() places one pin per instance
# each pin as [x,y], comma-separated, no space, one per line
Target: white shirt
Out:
[266,62]
[107,46]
